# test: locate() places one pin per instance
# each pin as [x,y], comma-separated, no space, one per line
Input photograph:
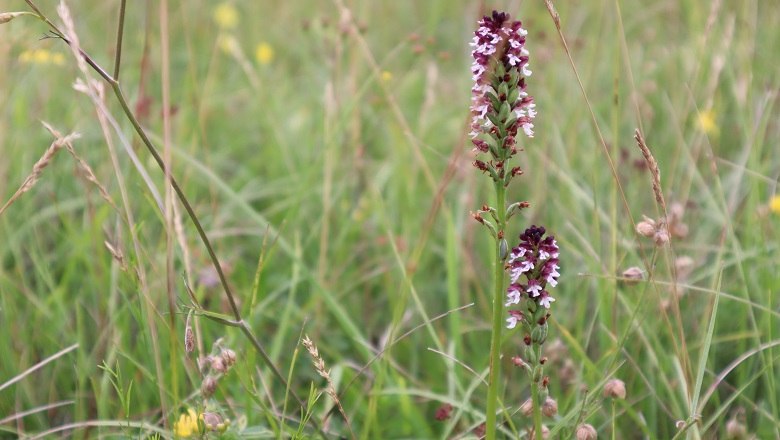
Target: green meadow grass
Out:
[333,178]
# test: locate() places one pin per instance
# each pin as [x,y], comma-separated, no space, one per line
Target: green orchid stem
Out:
[498,317]
[536,398]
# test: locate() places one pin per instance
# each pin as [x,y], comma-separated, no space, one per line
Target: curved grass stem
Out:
[115,86]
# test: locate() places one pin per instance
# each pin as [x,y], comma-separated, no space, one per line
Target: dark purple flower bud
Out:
[443,412]
[482,166]
[480,145]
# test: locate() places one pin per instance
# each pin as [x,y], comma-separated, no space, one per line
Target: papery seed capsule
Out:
[586,432]
[208,386]
[527,408]
[615,389]
[646,228]
[633,275]
[549,407]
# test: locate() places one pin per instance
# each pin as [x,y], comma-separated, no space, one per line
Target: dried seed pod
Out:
[632,275]
[684,266]
[545,433]
[208,386]
[189,336]
[218,365]
[661,237]
[585,432]
[549,407]
[615,389]
[646,228]
[527,408]
[228,357]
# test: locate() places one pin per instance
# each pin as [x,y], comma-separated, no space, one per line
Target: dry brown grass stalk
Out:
[319,365]
[82,165]
[30,181]
[652,165]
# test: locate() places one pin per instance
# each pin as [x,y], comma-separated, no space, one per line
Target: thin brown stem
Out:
[115,86]
[120,30]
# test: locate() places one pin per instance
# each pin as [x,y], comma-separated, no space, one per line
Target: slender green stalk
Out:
[613,419]
[498,315]
[536,400]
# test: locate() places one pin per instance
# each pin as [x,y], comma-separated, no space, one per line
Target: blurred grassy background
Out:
[346,154]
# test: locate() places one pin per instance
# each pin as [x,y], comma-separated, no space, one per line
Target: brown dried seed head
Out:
[684,266]
[736,430]
[679,229]
[208,386]
[527,408]
[646,228]
[228,357]
[586,432]
[5,17]
[189,336]
[556,350]
[218,365]
[549,407]
[189,339]
[676,211]
[661,237]
[633,275]
[203,363]
[545,433]
[615,389]
[214,422]
[567,373]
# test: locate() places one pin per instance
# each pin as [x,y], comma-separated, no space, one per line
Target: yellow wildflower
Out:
[41,56]
[386,76]
[706,122]
[774,204]
[226,16]
[25,57]
[187,424]
[264,53]
[57,59]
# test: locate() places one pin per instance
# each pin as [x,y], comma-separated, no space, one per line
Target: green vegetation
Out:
[324,148]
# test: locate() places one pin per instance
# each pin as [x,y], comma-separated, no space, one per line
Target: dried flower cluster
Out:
[500,105]
[214,422]
[213,367]
[535,259]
